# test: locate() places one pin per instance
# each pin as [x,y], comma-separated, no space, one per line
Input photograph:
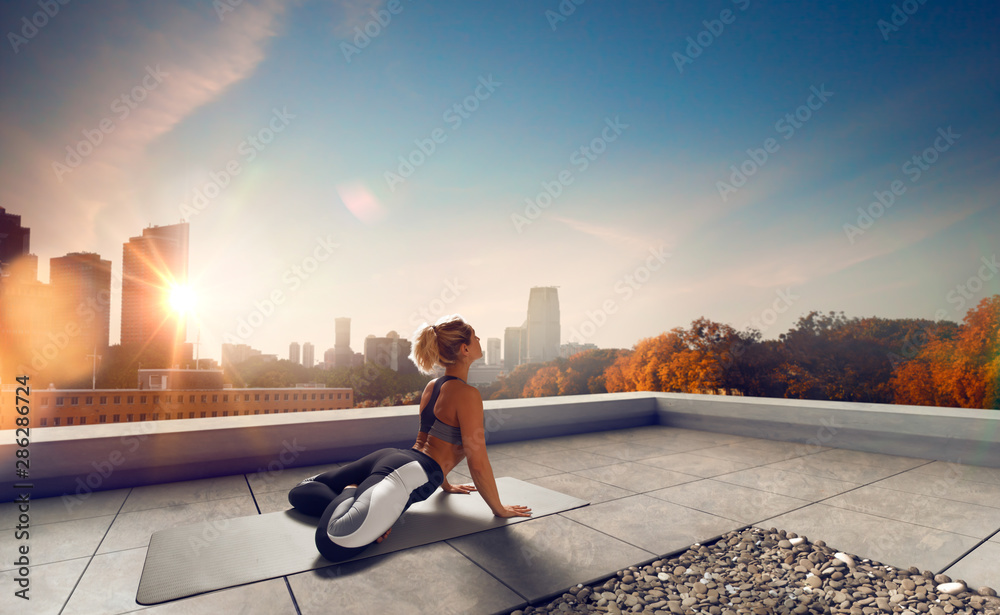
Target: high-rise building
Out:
[342,352]
[81,285]
[153,265]
[308,354]
[28,345]
[543,324]
[389,351]
[15,240]
[293,352]
[512,344]
[493,351]
[234,354]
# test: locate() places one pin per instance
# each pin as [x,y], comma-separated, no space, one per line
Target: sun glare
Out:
[182,299]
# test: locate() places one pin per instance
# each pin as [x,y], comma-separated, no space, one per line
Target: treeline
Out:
[824,357]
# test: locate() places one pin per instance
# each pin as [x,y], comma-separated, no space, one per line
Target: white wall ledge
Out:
[85,458]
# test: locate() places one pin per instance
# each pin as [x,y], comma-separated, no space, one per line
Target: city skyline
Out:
[744,162]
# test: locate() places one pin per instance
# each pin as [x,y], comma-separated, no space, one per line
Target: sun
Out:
[181,299]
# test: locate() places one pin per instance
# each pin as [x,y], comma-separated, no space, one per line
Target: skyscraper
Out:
[342,353]
[308,354]
[293,352]
[543,324]
[153,264]
[512,343]
[15,240]
[493,351]
[81,285]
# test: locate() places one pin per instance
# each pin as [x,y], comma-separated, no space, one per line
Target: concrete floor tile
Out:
[56,509]
[520,468]
[827,468]
[694,464]
[636,477]
[627,451]
[132,530]
[544,556]
[890,542]
[947,486]
[49,587]
[54,542]
[584,488]
[978,474]
[269,597]
[791,484]
[652,524]
[979,568]
[433,579]
[741,504]
[109,584]
[744,454]
[568,461]
[528,447]
[892,463]
[283,479]
[272,501]
[185,492]
[948,515]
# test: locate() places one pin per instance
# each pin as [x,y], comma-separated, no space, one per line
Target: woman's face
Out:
[475,348]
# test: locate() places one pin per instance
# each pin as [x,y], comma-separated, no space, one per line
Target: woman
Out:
[359,502]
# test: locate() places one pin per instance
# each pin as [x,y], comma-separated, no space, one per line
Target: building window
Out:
[215,413]
[168,416]
[128,417]
[314,397]
[156,399]
[170,398]
[246,397]
[103,419]
[45,422]
[142,417]
[295,397]
[45,402]
[204,399]
[156,416]
[202,414]
[226,412]
[130,399]
[256,396]
[225,398]
[286,396]
[118,399]
[190,415]
[266,411]
[215,399]
[267,397]
[74,401]
[256,411]
[69,420]
[59,401]
[142,399]
[104,400]
[338,395]
[116,418]
[55,422]
[89,401]
[83,420]
[191,400]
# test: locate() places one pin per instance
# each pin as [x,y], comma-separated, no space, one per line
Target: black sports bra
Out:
[434,426]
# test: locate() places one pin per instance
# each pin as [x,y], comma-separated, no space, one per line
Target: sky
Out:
[393,162]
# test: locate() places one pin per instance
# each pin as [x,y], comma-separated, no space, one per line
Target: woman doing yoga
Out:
[359,502]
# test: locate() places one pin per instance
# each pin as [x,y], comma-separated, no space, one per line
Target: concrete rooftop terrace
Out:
[654,488]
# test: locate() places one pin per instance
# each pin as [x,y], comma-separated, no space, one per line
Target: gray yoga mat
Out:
[194,559]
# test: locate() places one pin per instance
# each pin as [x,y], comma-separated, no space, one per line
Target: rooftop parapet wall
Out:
[82,459]
[956,435]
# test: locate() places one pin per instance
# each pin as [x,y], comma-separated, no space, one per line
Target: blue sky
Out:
[621,120]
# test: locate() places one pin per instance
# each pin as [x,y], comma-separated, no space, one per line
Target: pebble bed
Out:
[765,572]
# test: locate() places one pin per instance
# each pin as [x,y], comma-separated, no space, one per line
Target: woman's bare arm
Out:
[470,421]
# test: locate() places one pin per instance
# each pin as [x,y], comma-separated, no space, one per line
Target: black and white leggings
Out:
[388,482]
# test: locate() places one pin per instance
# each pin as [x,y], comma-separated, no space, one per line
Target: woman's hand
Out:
[458,488]
[514,511]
